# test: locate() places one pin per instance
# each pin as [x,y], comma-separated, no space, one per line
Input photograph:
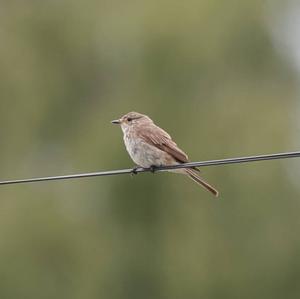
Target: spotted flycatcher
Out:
[148,146]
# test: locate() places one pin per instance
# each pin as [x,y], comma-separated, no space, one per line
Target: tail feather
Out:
[196,178]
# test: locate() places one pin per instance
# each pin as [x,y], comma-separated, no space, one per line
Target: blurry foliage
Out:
[208,73]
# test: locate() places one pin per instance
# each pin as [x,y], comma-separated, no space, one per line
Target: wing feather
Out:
[162,140]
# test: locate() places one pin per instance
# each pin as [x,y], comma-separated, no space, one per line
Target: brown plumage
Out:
[149,145]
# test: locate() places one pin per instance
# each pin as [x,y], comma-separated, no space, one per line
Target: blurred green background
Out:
[219,77]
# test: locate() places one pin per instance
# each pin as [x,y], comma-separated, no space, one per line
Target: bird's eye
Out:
[129,119]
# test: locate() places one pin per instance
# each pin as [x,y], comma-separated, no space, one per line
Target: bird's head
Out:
[132,119]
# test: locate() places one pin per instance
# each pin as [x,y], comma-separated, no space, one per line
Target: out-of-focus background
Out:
[221,77]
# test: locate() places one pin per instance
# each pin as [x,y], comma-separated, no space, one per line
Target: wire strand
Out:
[157,169]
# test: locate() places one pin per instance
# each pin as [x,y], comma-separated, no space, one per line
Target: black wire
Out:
[160,168]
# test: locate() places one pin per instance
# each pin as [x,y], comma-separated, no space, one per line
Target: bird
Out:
[149,146]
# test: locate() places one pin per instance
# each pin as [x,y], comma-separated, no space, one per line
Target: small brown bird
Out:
[148,146]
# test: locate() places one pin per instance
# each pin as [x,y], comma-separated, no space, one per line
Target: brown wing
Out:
[162,140]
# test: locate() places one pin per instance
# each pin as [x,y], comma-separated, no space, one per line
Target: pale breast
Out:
[144,154]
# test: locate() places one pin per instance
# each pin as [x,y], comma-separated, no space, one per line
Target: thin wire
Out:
[157,169]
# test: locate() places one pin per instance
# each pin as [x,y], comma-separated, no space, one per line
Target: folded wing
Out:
[162,140]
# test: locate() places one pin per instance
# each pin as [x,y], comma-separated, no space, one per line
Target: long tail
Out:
[196,178]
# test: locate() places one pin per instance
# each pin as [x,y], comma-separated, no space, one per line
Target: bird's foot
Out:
[134,170]
[153,168]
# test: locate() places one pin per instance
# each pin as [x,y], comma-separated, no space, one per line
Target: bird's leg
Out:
[153,168]
[134,170]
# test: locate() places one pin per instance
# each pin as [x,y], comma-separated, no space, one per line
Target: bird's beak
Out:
[116,122]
